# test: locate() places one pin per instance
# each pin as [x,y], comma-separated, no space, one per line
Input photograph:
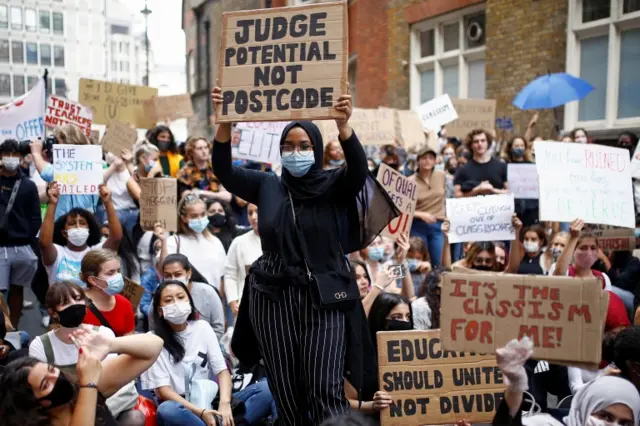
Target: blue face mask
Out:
[376,254]
[413,264]
[199,225]
[298,164]
[115,285]
[148,167]
[336,163]
[517,152]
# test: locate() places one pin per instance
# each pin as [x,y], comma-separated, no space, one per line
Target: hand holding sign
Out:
[53,193]
[344,105]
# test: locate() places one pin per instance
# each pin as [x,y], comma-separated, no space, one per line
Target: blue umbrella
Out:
[552,90]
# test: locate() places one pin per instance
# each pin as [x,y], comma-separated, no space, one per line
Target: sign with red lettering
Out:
[563,316]
[77,168]
[432,386]
[614,238]
[587,181]
[62,111]
[404,194]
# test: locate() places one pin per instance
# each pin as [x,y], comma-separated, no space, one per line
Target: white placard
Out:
[404,193]
[23,118]
[586,181]
[436,113]
[258,141]
[77,168]
[523,181]
[635,163]
[482,218]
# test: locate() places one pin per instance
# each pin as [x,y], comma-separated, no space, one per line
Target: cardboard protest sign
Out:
[587,181]
[23,118]
[505,123]
[482,218]
[436,113]
[373,126]
[159,203]
[473,114]
[95,137]
[117,101]
[281,64]
[563,316]
[62,111]
[133,292]
[431,386]
[411,133]
[258,141]
[118,137]
[614,238]
[523,180]
[404,193]
[77,168]
[169,108]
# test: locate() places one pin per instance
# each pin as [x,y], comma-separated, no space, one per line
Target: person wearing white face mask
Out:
[529,250]
[580,135]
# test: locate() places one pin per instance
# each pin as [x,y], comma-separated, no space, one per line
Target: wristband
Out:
[89,385]
[203,410]
[378,287]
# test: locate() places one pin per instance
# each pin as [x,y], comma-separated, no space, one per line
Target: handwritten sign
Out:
[473,114]
[159,203]
[614,238]
[258,141]
[373,126]
[563,316]
[436,113]
[523,180]
[635,163]
[169,108]
[429,385]
[117,101]
[118,137]
[133,292]
[591,182]
[77,168]
[403,192]
[62,111]
[281,64]
[410,129]
[483,218]
[505,123]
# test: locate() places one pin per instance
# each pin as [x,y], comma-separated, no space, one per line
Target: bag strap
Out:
[99,315]
[12,200]
[177,244]
[48,348]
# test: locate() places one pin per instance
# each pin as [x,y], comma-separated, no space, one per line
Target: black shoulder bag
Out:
[12,200]
[93,308]
[329,290]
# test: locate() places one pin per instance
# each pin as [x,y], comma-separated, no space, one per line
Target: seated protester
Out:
[362,277]
[426,308]
[129,262]
[64,243]
[100,271]
[481,257]
[197,174]
[222,222]
[244,250]
[624,352]
[170,160]
[8,352]
[501,256]
[150,280]
[146,161]
[125,190]
[33,392]
[527,252]
[375,255]
[382,284]
[418,261]
[66,303]
[557,242]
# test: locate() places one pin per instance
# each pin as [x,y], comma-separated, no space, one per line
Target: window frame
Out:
[11,25]
[58,47]
[612,27]
[463,56]
[13,84]
[53,31]
[13,58]
[4,25]
[64,86]
[26,53]
[28,28]
[40,50]
[10,79]
[41,13]
[8,61]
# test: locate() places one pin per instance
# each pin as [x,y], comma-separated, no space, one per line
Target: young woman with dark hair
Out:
[527,252]
[426,308]
[223,223]
[170,160]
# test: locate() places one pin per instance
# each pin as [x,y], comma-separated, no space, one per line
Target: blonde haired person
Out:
[70,134]
[333,156]
[145,157]
[197,174]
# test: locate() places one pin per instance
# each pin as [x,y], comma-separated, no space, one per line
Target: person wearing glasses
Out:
[308,220]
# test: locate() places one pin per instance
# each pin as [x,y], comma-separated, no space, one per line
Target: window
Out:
[30,20]
[124,66]
[5,85]
[18,85]
[119,29]
[448,56]
[16,18]
[17,52]
[58,56]
[58,23]
[32,54]
[191,72]
[114,65]
[124,47]
[60,87]
[45,21]
[45,55]
[32,80]
[4,50]
[4,17]
[603,48]
[114,47]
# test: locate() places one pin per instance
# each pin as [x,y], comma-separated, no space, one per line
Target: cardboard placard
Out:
[505,123]
[404,193]
[117,101]
[523,181]
[587,181]
[614,238]
[411,133]
[61,111]
[431,386]
[159,203]
[95,137]
[282,64]
[563,316]
[372,126]
[117,137]
[436,113]
[169,108]
[77,168]
[133,292]
[482,218]
[473,114]
[258,141]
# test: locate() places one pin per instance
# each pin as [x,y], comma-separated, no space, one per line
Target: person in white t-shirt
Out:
[124,189]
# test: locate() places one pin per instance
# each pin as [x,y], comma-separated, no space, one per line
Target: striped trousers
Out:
[304,354]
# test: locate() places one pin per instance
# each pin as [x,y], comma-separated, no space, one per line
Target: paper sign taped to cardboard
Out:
[77,168]
[61,111]
[587,181]
[117,101]
[614,238]
[404,193]
[258,141]
[133,292]
[482,218]
[282,64]
[563,316]
[159,203]
[523,181]
[169,108]
[436,113]
[118,137]
[372,126]
[472,114]
[431,386]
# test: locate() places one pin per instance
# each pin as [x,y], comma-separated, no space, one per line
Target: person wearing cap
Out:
[430,188]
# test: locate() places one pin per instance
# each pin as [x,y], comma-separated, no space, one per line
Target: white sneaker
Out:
[45,321]
[26,304]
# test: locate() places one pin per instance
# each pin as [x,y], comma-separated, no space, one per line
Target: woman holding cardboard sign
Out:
[301,293]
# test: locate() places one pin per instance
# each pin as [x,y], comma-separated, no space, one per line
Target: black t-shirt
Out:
[530,266]
[471,174]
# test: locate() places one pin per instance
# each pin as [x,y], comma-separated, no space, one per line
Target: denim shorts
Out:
[18,266]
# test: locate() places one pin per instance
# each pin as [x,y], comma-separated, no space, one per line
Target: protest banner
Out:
[614,238]
[587,181]
[563,316]
[436,113]
[404,193]
[159,203]
[117,101]
[61,111]
[77,168]
[169,108]
[411,133]
[133,292]
[482,218]
[429,385]
[282,64]
[473,114]
[523,180]
[23,118]
[373,126]
[258,141]
[117,137]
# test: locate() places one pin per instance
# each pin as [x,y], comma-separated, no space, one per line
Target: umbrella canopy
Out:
[552,90]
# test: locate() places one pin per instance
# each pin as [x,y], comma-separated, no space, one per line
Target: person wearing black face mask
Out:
[170,160]
[223,223]
[481,256]
[517,152]
[628,141]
